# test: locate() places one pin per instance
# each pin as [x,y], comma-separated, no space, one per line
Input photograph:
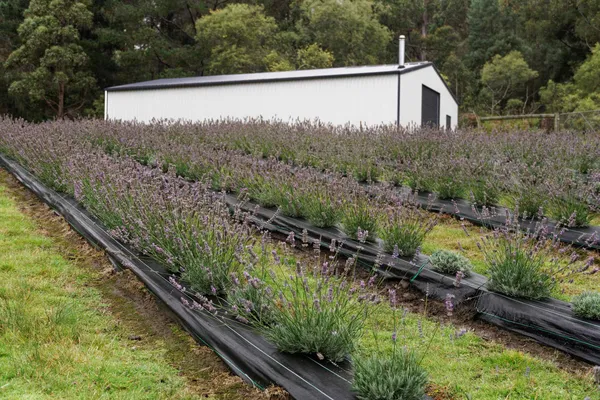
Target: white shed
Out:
[409,94]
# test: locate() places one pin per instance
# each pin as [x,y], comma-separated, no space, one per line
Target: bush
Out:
[358,214]
[571,211]
[524,264]
[317,313]
[404,229]
[484,192]
[320,209]
[393,376]
[587,305]
[449,262]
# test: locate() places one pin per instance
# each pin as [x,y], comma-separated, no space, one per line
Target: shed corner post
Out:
[105,105]
[398,102]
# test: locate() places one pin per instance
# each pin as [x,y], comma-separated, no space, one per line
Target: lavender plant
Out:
[524,263]
[587,305]
[404,228]
[359,215]
[449,262]
[389,375]
[182,224]
[318,312]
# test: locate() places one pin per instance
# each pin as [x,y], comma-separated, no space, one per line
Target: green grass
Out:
[57,339]
[470,367]
[449,235]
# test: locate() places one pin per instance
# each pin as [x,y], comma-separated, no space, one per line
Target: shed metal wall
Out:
[367,100]
[411,92]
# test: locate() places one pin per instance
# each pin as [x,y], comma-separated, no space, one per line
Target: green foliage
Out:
[587,305]
[313,56]
[358,214]
[320,209]
[449,262]
[404,230]
[317,313]
[396,375]
[570,210]
[503,76]
[51,64]
[516,264]
[348,29]
[580,95]
[235,37]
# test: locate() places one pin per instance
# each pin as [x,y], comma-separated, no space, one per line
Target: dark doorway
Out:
[430,107]
[448,122]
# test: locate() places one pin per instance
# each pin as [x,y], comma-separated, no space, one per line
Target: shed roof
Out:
[271,76]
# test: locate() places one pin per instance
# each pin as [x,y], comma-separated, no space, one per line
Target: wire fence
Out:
[580,121]
[585,121]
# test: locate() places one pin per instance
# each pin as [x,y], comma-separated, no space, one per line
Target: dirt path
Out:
[146,321]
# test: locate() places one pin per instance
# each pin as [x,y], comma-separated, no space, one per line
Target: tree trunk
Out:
[424,30]
[60,113]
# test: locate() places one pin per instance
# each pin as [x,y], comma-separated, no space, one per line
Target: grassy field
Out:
[73,330]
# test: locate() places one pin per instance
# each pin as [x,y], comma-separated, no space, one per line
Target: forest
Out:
[498,56]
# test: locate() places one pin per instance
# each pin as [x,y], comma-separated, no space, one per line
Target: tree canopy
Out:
[57,56]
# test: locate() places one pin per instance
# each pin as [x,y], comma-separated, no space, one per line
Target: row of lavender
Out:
[311,307]
[557,172]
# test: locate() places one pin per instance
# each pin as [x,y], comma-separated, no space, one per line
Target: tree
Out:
[582,94]
[51,63]
[347,28]
[312,56]
[491,31]
[503,76]
[11,16]
[236,39]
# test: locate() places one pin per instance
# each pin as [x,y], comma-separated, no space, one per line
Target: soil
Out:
[147,321]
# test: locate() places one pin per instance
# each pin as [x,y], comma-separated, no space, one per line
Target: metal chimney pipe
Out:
[401,51]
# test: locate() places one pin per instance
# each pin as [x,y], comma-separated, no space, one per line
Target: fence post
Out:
[556,122]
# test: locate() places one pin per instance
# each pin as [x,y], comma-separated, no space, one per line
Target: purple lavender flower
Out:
[448,303]
[458,279]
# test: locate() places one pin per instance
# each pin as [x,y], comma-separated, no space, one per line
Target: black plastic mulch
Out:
[588,237]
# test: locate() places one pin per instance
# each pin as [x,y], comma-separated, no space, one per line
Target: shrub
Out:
[587,305]
[182,224]
[571,211]
[317,313]
[366,171]
[359,214]
[404,228]
[320,208]
[448,187]
[393,376]
[523,263]
[449,262]
[484,192]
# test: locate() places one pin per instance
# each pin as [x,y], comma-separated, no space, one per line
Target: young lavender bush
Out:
[587,305]
[449,262]
[318,312]
[404,228]
[524,263]
[397,376]
[389,375]
[359,215]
